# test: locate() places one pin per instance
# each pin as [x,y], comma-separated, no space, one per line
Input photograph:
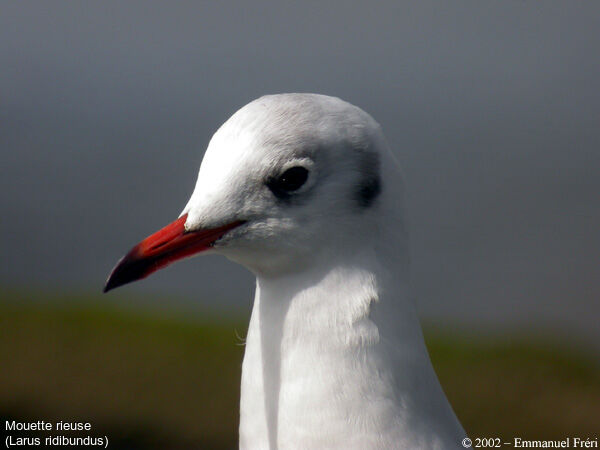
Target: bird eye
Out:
[292,179]
[289,181]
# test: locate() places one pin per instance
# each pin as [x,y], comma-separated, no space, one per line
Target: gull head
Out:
[288,181]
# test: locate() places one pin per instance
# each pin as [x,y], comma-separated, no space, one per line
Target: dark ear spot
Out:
[369,186]
[368,191]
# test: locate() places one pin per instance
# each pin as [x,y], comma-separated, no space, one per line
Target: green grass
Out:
[159,379]
[518,385]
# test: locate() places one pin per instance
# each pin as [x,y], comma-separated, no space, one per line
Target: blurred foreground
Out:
[158,380]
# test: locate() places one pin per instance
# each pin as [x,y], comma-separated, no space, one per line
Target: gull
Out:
[303,190]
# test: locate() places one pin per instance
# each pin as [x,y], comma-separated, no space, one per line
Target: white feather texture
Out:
[335,357]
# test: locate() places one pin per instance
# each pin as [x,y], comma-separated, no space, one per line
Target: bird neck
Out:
[336,352]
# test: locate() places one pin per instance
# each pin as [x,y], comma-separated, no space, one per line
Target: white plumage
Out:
[303,191]
[334,356]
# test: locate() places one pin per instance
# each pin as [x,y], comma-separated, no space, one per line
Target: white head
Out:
[301,176]
[303,171]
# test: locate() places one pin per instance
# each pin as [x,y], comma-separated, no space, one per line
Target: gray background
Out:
[492,107]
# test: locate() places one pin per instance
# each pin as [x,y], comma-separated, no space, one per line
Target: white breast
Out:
[340,363]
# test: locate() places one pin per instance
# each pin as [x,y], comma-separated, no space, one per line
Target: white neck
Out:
[335,358]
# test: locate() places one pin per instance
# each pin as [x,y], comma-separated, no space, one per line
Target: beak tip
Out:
[110,284]
[126,271]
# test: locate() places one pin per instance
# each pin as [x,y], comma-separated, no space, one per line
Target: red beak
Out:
[162,248]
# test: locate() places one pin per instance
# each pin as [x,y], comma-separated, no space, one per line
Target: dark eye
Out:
[292,179]
[289,181]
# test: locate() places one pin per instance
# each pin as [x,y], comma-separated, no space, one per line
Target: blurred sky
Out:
[492,107]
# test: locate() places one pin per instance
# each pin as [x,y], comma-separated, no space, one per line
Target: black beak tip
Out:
[107,287]
[112,282]
[130,268]
[118,276]
[117,279]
